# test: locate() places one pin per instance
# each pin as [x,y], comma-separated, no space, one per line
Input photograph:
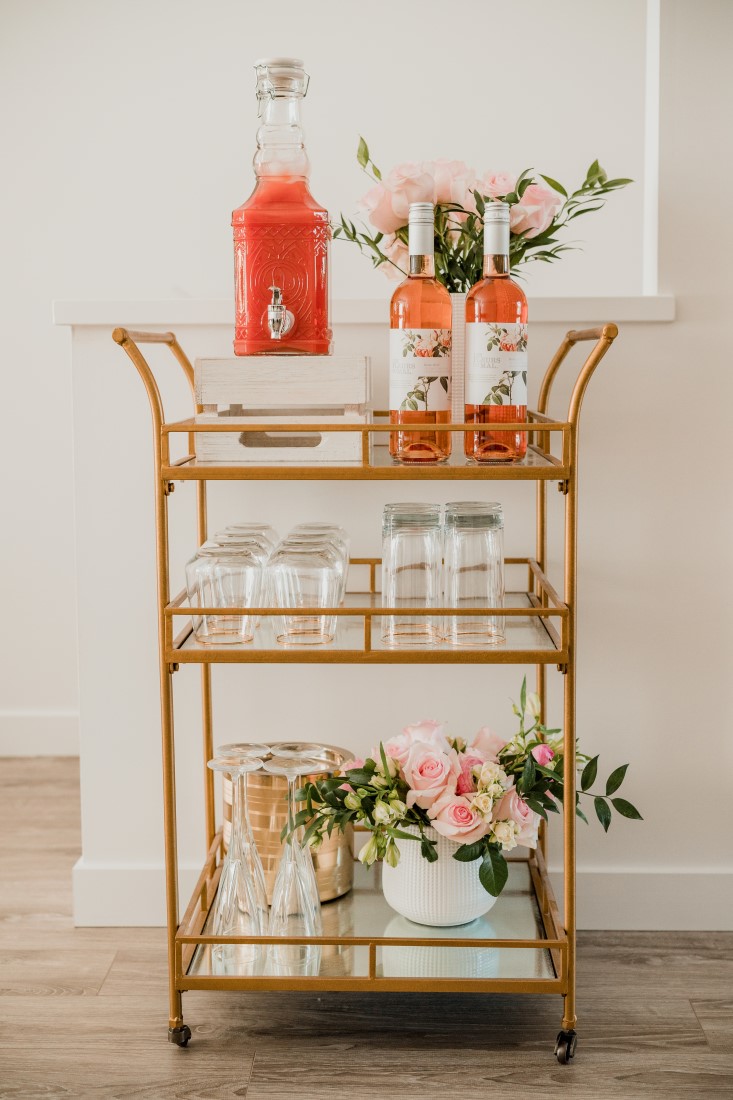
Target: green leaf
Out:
[590,771]
[383,755]
[554,184]
[376,171]
[427,850]
[529,774]
[626,809]
[615,779]
[581,815]
[603,811]
[493,872]
[536,806]
[467,853]
[444,382]
[523,696]
[362,153]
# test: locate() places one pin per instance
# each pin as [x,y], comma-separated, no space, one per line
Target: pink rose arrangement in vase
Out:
[486,796]
[540,209]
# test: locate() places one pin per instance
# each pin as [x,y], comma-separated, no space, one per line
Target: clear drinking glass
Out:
[332,545]
[223,577]
[257,544]
[240,908]
[261,530]
[296,905]
[474,572]
[411,572]
[304,577]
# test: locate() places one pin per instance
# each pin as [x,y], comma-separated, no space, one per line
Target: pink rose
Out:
[351,765]
[406,183]
[543,754]
[453,817]
[513,807]
[428,731]
[398,252]
[533,214]
[451,179]
[496,184]
[377,205]
[466,781]
[397,747]
[429,773]
[453,182]
[488,743]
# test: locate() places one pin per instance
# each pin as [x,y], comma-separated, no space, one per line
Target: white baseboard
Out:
[645,899]
[639,900]
[125,895]
[39,733]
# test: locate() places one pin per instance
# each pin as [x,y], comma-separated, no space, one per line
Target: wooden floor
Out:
[83,1012]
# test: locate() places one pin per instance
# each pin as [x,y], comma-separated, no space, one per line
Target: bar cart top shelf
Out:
[376,463]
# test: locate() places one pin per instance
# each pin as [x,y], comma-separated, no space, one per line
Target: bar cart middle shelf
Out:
[523,945]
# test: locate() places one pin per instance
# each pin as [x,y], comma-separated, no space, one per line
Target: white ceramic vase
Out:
[458,324]
[443,893]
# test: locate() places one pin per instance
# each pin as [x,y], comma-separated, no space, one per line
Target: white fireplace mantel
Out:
[358,311]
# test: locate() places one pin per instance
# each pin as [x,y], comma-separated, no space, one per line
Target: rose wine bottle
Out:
[496,349]
[281,234]
[420,350]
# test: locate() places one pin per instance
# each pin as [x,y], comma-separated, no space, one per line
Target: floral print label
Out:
[420,369]
[496,364]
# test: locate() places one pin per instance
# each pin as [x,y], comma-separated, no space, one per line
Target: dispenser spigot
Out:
[279,319]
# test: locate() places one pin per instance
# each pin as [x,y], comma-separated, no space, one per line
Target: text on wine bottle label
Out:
[496,364]
[420,369]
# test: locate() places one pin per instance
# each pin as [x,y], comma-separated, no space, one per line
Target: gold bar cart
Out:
[359,953]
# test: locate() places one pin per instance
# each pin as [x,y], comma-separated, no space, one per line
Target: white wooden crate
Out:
[269,389]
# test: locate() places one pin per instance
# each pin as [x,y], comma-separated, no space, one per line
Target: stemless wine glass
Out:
[304,577]
[224,577]
[335,534]
[331,546]
[296,906]
[261,530]
[474,572]
[240,908]
[411,572]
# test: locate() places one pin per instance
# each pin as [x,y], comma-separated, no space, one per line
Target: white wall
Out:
[129,141]
[127,134]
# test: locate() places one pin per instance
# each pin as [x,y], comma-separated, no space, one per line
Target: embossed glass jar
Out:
[281,234]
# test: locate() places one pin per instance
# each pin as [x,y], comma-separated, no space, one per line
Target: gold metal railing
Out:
[555,611]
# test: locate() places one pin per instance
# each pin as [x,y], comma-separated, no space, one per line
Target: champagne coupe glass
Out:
[296,906]
[241,900]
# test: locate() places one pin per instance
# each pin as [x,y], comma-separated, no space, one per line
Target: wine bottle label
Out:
[496,364]
[420,369]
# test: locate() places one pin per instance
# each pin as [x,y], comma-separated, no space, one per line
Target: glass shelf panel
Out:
[363,912]
[522,634]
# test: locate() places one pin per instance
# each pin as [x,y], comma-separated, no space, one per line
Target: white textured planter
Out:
[443,893]
[458,324]
[413,961]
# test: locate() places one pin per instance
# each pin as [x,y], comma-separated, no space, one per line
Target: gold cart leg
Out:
[569,818]
[206,697]
[540,678]
[208,738]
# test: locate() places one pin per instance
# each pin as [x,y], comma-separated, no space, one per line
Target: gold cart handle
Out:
[129,340]
[604,337]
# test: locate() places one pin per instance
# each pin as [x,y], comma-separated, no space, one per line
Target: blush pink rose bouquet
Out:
[540,208]
[487,795]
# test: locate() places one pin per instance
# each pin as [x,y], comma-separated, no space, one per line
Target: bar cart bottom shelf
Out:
[518,947]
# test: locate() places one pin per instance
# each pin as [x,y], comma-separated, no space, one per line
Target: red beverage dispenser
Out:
[281,234]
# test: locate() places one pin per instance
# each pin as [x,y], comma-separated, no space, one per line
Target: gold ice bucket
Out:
[267,805]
